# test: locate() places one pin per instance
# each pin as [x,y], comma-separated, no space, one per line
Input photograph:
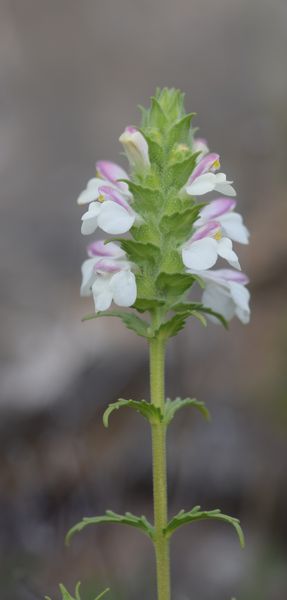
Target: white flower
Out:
[231,222]
[136,148]
[205,246]
[225,293]
[204,179]
[111,213]
[107,276]
[108,173]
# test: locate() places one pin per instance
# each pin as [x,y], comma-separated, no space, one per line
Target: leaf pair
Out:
[153,413]
[67,596]
[182,518]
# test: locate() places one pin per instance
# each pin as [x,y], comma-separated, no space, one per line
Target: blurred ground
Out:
[72,74]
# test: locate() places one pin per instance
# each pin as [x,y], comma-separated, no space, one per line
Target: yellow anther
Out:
[216,164]
[218,235]
[101,198]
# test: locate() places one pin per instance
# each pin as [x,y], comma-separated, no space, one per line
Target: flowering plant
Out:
[176,235]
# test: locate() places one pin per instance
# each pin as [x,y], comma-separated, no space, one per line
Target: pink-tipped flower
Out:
[107,276]
[111,212]
[205,246]
[225,293]
[136,148]
[200,145]
[204,179]
[222,210]
[108,173]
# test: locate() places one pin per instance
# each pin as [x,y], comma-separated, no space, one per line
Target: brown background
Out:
[72,73]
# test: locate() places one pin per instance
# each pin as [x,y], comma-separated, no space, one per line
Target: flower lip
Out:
[205,165]
[103,250]
[217,208]
[210,229]
[114,195]
[105,265]
[111,171]
[225,276]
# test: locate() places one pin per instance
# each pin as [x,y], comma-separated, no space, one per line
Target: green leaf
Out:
[157,117]
[183,518]
[139,252]
[145,304]
[179,225]
[67,596]
[180,132]
[179,172]
[139,326]
[172,406]
[175,284]
[145,199]
[172,326]
[146,409]
[155,149]
[111,517]
[103,593]
[194,309]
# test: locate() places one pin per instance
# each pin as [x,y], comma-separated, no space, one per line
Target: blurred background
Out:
[72,74]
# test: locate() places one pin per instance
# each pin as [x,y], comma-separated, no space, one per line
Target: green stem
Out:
[157,364]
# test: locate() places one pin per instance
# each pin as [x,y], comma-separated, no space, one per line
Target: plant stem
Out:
[157,365]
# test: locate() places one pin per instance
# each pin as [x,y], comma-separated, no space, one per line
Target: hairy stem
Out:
[157,364]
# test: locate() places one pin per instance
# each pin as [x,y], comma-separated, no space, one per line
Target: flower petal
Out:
[202,184]
[102,293]
[216,208]
[102,249]
[90,219]
[222,186]
[240,296]
[219,300]
[124,288]
[204,165]
[233,226]
[113,194]
[224,249]
[200,255]
[91,193]
[88,276]
[224,276]
[114,219]
[111,171]
[208,229]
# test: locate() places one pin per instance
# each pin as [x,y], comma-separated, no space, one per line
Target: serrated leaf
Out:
[139,252]
[139,326]
[194,308]
[183,518]
[172,406]
[145,199]
[179,172]
[180,132]
[157,117]
[111,517]
[146,409]
[171,327]
[145,304]
[155,149]
[179,225]
[174,284]
[67,596]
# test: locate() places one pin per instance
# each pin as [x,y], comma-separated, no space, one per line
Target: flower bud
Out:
[136,148]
